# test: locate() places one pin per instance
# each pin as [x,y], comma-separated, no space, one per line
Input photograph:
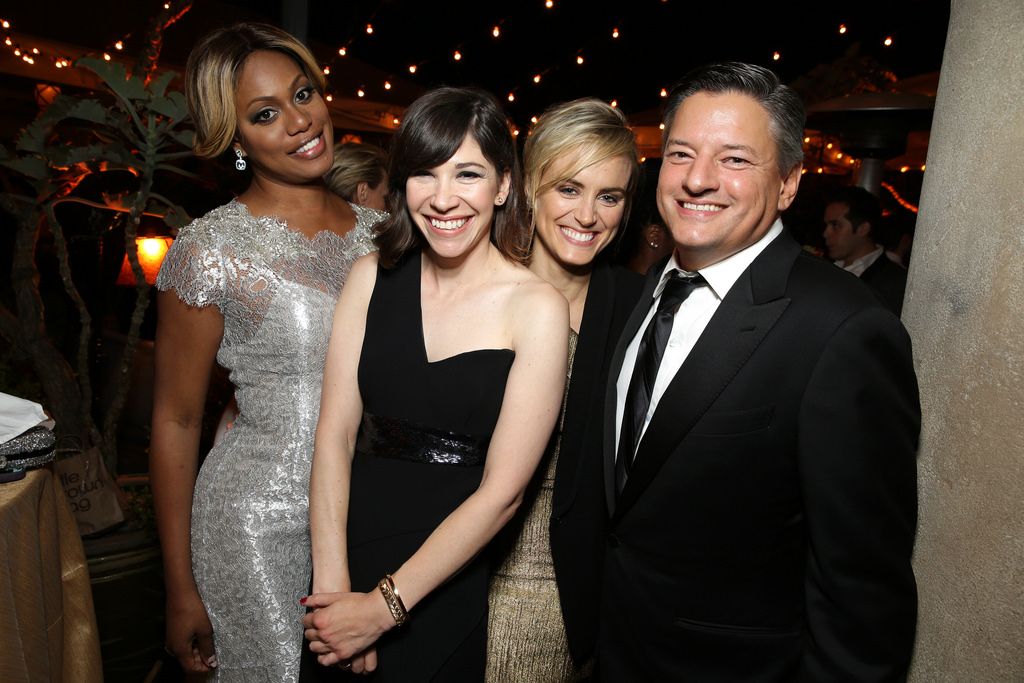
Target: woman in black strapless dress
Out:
[443,381]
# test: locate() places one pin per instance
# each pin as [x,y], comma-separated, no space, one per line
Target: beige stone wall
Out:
[965,312]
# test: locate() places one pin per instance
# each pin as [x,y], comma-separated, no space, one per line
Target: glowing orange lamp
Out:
[151,255]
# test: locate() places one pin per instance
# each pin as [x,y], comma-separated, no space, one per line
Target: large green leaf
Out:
[29,165]
[184,137]
[91,110]
[93,155]
[114,75]
[173,106]
[158,86]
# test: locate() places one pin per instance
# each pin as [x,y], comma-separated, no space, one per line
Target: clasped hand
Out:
[344,626]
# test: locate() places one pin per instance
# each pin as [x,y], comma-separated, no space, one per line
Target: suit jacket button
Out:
[613,540]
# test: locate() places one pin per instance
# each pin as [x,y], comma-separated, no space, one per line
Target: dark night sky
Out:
[658,40]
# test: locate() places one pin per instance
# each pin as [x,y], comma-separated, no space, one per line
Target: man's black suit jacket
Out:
[766,529]
[577,526]
[888,281]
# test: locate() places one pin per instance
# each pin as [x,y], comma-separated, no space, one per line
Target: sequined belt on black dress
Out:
[390,437]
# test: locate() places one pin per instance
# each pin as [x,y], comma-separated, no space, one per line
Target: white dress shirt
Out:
[689,322]
[858,266]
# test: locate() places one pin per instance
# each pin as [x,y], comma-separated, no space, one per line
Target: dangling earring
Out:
[240,161]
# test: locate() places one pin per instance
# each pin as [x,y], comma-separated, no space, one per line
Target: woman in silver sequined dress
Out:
[253,285]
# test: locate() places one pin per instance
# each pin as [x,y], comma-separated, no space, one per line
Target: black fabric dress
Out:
[419,455]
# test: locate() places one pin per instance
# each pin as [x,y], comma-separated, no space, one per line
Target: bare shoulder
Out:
[535,307]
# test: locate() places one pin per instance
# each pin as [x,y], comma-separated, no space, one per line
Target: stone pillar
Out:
[965,313]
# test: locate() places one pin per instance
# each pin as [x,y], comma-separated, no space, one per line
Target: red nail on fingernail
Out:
[302,601]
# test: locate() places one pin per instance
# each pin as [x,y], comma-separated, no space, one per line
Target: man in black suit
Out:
[852,217]
[762,419]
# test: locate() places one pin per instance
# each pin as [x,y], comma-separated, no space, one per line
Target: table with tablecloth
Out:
[47,623]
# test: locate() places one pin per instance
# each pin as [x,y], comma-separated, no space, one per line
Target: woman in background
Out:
[359,174]
[253,284]
[580,172]
[442,385]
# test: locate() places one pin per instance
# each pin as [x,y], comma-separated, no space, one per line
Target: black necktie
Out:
[645,372]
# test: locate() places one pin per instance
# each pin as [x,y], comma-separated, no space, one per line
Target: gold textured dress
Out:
[525,633]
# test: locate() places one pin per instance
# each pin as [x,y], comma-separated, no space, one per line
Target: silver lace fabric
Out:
[250,533]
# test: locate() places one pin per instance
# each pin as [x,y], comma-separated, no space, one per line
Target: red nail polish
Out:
[302,601]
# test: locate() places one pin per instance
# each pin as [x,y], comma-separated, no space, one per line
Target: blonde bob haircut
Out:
[585,132]
[354,163]
[211,77]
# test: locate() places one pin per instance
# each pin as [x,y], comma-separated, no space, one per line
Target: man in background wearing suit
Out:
[853,217]
[762,420]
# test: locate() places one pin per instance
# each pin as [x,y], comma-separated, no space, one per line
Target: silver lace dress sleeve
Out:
[250,534]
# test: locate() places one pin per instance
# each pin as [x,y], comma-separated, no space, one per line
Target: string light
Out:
[511,97]
[17,52]
[106,56]
[536,78]
[496,31]
[828,146]
[615,104]
[904,169]
[167,5]
[821,170]
[396,121]
[342,51]
[387,85]
[922,167]
[615,32]
[776,56]
[412,68]
[329,98]
[533,119]
[849,159]
[5,24]
[515,132]
[842,29]
[549,4]
[579,59]
[664,93]
[119,45]
[457,56]
[888,41]
[327,71]
[369,29]
[661,126]
[35,50]
[807,139]
[8,41]
[899,200]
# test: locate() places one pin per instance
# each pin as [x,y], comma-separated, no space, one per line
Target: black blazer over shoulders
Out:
[766,529]
[888,281]
[579,516]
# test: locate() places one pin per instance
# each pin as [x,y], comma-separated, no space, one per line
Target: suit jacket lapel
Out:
[590,352]
[628,332]
[745,316]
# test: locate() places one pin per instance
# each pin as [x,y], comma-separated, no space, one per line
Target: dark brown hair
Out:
[431,132]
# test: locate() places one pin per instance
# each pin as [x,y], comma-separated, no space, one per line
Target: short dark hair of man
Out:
[861,207]
[785,109]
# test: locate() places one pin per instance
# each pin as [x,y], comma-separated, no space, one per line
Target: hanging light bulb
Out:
[549,4]
[369,29]
[457,56]
[412,68]
[842,29]
[329,97]
[342,51]
[387,85]
[536,78]
[888,41]
[615,33]
[614,103]
[496,31]
[664,93]
[511,97]
[579,59]
[776,56]
[327,71]
[360,93]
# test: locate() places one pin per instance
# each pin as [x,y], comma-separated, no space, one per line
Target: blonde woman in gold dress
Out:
[580,171]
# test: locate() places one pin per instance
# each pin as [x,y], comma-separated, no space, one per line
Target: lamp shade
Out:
[151,255]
